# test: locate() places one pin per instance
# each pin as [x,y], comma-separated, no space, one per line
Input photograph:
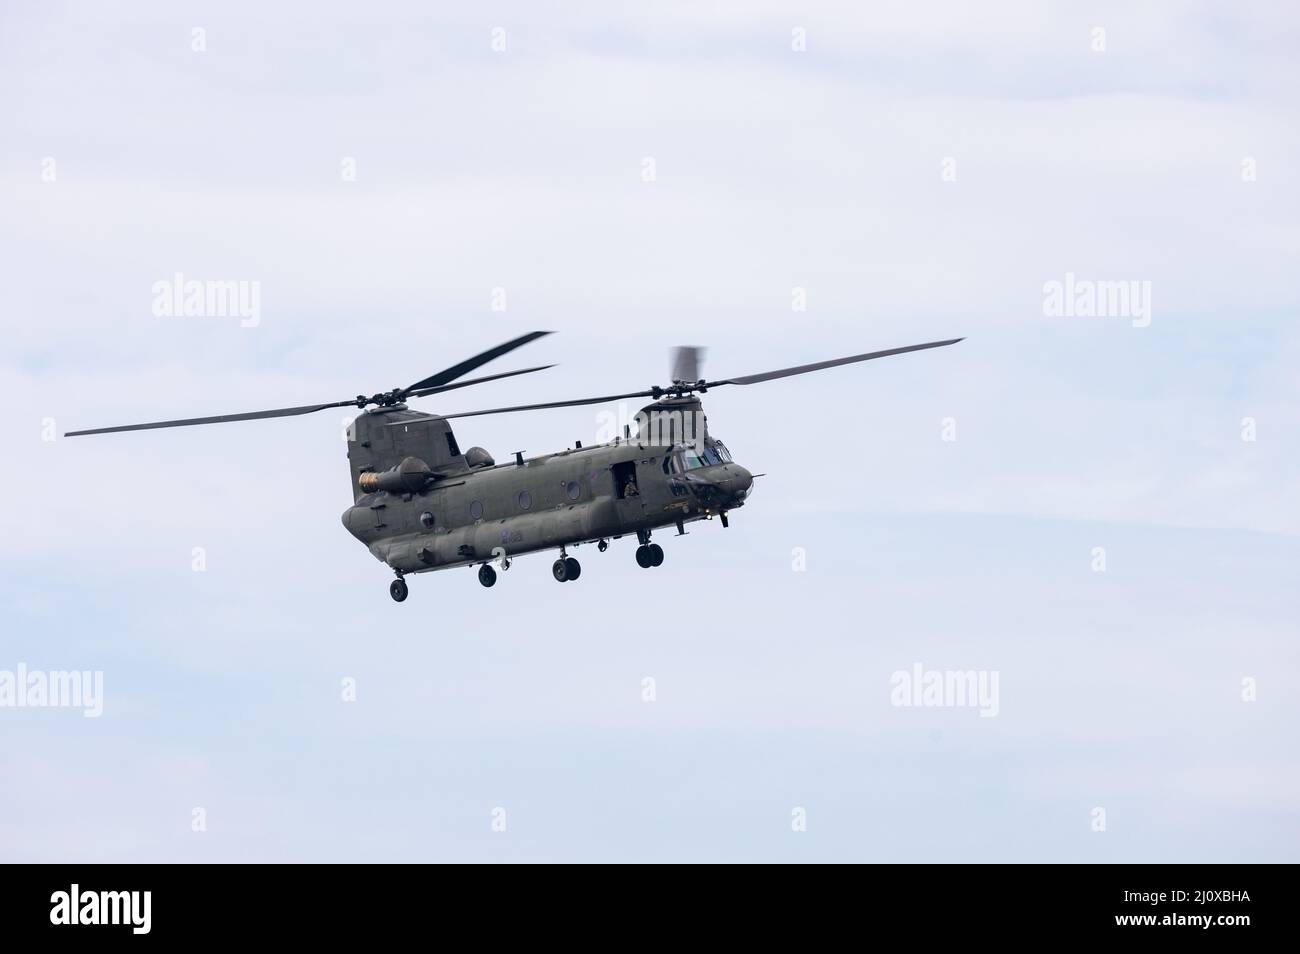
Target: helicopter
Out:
[421,505]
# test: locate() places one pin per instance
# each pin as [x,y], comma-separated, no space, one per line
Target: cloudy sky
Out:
[636,179]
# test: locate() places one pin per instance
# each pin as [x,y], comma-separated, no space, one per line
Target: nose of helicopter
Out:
[736,482]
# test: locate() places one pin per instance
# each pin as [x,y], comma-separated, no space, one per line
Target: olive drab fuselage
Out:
[421,504]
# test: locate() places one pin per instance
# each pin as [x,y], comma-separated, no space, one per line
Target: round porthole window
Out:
[572,490]
[426,518]
[525,500]
[476,510]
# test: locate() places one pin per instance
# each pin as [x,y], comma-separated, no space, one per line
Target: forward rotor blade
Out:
[539,407]
[464,384]
[469,364]
[686,363]
[821,365]
[747,379]
[219,419]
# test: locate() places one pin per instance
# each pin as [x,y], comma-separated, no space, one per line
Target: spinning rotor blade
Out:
[469,364]
[219,419]
[686,363]
[820,365]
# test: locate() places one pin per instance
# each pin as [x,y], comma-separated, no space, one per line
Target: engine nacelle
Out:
[408,477]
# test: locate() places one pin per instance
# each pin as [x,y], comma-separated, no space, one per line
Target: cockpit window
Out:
[691,458]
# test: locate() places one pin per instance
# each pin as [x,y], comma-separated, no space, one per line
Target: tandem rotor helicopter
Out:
[420,504]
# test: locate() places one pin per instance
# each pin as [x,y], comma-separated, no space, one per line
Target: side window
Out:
[476,510]
[625,480]
[525,500]
[572,490]
[426,519]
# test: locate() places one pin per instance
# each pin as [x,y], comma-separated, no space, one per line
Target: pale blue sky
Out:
[775,169]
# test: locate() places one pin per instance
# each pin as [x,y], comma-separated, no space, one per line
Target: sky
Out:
[1102,511]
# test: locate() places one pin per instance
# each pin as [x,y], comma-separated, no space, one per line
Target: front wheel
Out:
[656,554]
[486,575]
[572,568]
[560,571]
[398,590]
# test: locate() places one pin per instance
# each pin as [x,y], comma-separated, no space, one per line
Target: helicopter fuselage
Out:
[419,504]
[465,510]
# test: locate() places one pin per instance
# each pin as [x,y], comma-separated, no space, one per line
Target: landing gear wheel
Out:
[572,569]
[560,570]
[656,553]
[643,557]
[486,575]
[398,590]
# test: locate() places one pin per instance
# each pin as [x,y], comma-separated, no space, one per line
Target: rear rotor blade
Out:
[219,419]
[464,384]
[293,411]
[821,365]
[469,364]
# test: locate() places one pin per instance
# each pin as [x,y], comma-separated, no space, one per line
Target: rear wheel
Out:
[643,557]
[398,590]
[486,575]
[656,554]
[560,571]
[573,569]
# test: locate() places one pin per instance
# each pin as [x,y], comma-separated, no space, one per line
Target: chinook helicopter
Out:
[420,504]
